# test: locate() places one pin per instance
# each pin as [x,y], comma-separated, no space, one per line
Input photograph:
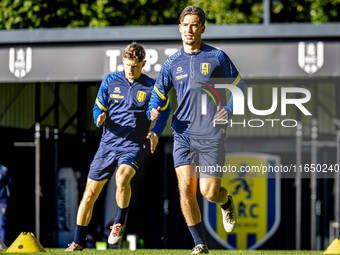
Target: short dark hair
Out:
[134,51]
[193,10]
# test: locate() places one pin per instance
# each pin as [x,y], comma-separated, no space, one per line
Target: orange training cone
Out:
[25,243]
[333,248]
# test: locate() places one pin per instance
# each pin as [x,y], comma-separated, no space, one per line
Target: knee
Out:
[187,191]
[210,194]
[88,197]
[123,180]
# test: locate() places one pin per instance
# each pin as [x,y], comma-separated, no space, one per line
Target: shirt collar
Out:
[196,52]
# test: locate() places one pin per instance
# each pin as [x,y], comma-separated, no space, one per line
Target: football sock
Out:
[226,205]
[197,233]
[79,236]
[121,214]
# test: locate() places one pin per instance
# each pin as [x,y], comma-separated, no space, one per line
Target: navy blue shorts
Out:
[207,154]
[105,161]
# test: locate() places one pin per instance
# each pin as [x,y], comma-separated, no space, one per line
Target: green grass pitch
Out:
[56,251]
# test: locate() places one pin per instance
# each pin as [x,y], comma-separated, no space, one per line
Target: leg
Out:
[212,152]
[187,190]
[212,190]
[187,183]
[91,193]
[123,177]
[101,169]
[123,195]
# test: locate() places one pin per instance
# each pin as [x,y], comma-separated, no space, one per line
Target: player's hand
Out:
[101,118]
[153,140]
[154,113]
[222,114]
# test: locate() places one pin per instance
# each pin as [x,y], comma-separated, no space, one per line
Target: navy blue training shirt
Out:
[125,104]
[191,75]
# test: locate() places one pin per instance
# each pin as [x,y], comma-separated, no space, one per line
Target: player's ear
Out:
[179,26]
[144,62]
[203,29]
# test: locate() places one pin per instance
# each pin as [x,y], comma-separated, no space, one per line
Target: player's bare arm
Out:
[154,113]
[222,114]
[153,140]
[101,118]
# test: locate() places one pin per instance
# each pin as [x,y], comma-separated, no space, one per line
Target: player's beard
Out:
[188,41]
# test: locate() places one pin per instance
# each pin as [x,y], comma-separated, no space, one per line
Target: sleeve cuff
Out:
[156,131]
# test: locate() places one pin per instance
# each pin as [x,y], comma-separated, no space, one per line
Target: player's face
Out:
[132,68]
[191,30]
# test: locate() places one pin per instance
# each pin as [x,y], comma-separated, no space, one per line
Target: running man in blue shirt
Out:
[120,107]
[197,142]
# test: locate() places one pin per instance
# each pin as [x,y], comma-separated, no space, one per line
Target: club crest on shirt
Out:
[141,96]
[205,68]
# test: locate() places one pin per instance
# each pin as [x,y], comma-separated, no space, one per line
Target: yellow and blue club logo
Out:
[141,96]
[205,68]
[257,198]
